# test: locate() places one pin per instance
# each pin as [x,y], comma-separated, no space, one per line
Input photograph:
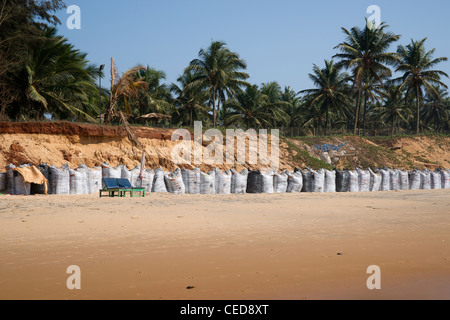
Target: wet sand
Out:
[231,247]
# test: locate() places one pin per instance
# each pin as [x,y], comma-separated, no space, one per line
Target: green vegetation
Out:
[43,76]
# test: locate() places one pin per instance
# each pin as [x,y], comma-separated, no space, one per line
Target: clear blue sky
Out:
[279,40]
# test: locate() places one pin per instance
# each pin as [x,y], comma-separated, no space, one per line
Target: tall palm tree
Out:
[56,79]
[154,96]
[435,109]
[274,105]
[220,70]
[330,91]
[190,101]
[364,52]
[249,108]
[123,89]
[391,109]
[417,65]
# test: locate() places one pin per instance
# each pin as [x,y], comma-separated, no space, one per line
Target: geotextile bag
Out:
[239,181]
[295,182]
[208,182]
[363,180]
[174,182]
[159,184]
[280,182]
[191,180]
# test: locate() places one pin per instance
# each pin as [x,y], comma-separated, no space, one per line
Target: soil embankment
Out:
[73,143]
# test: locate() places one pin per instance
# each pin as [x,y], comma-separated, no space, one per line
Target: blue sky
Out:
[279,40]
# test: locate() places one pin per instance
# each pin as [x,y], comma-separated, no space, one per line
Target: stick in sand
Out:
[141,174]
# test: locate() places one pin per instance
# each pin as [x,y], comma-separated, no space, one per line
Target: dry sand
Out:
[278,246]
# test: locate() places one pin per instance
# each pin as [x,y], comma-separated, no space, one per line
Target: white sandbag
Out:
[353,182]
[280,182]
[254,182]
[415,178]
[375,180]
[318,178]
[307,176]
[2,181]
[342,181]
[111,172]
[239,181]
[223,181]
[134,176]
[93,178]
[295,182]
[404,180]
[385,179]
[436,181]
[208,182]
[363,180]
[60,179]
[78,181]
[394,183]
[191,180]
[267,182]
[10,178]
[124,172]
[148,176]
[20,186]
[174,182]
[445,179]
[159,184]
[425,181]
[330,181]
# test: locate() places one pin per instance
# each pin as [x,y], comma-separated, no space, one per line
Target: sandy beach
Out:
[240,247]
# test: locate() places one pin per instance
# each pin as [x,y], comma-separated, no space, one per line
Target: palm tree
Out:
[154,96]
[435,109]
[56,79]
[191,102]
[391,109]
[365,53]
[249,108]
[417,65]
[274,104]
[125,88]
[330,91]
[220,70]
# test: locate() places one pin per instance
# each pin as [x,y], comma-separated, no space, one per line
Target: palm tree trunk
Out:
[418,109]
[326,121]
[364,115]
[214,107]
[358,99]
[392,127]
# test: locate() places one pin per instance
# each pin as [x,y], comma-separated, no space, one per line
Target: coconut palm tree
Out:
[417,65]
[190,102]
[330,92]
[154,96]
[56,79]
[275,105]
[249,108]
[365,54]
[436,109]
[123,89]
[391,109]
[220,70]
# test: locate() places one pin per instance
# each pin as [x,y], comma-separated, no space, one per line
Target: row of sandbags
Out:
[85,180]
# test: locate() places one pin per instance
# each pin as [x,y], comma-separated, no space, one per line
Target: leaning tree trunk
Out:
[364,115]
[418,110]
[214,107]
[358,100]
